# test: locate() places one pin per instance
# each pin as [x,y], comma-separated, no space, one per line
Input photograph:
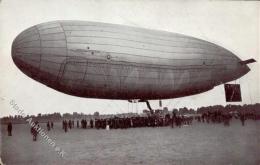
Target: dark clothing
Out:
[91,123]
[48,126]
[77,124]
[34,132]
[65,126]
[9,129]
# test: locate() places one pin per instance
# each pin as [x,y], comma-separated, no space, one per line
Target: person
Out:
[9,128]
[77,123]
[167,118]
[34,131]
[82,123]
[70,124]
[91,123]
[242,118]
[48,126]
[173,118]
[65,126]
[51,125]
[85,123]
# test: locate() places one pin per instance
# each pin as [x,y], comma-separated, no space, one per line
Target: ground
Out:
[196,144]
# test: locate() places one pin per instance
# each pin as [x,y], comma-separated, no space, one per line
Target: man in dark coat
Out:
[51,125]
[91,123]
[77,123]
[48,126]
[34,131]
[65,126]
[9,128]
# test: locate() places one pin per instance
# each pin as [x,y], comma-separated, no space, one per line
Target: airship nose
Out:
[243,69]
[240,69]
[26,50]
[235,67]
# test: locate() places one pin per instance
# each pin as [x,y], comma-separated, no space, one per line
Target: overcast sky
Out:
[233,25]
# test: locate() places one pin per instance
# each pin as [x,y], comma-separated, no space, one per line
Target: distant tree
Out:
[96,114]
[175,111]
[165,108]
[183,110]
[67,115]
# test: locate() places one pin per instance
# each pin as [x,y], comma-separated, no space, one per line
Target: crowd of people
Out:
[159,121]
[220,117]
[129,122]
[215,117]
[172,120]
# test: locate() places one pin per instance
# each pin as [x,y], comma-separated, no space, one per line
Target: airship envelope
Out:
[100,60]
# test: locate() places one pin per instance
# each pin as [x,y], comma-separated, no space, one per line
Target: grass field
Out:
[196,144]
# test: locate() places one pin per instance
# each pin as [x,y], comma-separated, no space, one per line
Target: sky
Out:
[233,25]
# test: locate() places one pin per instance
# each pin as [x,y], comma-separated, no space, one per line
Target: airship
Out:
[109,61]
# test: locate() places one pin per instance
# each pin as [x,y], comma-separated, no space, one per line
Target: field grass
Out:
[199,143]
